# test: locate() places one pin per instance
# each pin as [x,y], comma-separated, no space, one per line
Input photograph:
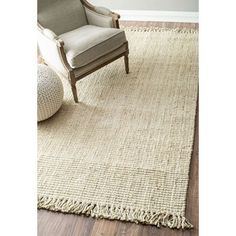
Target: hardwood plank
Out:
[102,228]
[59,224]
[54,223]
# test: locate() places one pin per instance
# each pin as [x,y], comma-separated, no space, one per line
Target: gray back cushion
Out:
[61,16]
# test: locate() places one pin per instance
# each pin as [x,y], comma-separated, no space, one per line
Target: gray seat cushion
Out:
[87,43]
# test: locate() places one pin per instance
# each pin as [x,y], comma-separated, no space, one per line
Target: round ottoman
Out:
[50,92]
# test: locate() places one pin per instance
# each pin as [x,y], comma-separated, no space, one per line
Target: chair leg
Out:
[73,86]
[74,91]
[126,59]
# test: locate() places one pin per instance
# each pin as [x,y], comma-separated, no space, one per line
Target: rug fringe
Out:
[173,221]
[159,29]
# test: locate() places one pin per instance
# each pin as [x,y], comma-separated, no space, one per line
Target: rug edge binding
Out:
[162,218]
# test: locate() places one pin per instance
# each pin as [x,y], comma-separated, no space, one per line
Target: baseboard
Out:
[164,16]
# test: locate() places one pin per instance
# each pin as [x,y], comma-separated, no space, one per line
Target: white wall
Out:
[153,5]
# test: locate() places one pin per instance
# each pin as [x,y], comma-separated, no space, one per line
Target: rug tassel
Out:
[115,213]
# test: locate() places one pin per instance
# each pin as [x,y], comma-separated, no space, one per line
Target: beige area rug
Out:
[124,151]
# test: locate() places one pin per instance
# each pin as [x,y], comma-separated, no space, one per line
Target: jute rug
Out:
[124,151]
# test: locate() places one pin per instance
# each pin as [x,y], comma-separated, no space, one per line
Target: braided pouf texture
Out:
[50,92]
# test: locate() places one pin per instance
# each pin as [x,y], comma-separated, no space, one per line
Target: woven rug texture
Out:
[123,152]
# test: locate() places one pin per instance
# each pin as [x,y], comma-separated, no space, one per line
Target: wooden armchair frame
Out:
[69,72]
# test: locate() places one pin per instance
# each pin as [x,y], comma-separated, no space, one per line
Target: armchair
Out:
[76,38]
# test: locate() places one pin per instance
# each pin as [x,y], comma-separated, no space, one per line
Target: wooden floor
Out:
[59,224]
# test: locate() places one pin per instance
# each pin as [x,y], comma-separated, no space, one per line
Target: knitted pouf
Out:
[50,92]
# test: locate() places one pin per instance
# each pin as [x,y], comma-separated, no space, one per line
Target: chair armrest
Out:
[102,10]
[105,11]
[101,16]
[52,51]
[49,34]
